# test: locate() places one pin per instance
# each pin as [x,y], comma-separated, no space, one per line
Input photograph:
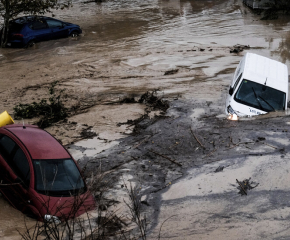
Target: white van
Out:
[260,85]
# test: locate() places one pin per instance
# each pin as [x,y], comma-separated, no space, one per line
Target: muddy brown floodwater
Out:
[125,49]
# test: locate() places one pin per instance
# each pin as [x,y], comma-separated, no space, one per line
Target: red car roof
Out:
[39,143]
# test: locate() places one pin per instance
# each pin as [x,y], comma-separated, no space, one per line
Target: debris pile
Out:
[219,169]
[245,185]
[151,99]
[153,102]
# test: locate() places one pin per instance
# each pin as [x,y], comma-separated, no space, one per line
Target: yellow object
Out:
[5,119]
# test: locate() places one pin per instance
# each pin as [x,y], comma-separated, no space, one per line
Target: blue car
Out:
[26,31]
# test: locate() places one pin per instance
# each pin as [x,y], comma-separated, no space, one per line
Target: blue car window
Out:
[15,27]
[53,23]
[38,25]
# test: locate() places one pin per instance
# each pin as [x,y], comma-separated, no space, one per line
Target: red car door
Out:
[6,179]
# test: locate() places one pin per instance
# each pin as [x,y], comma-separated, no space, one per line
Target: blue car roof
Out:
[27,19]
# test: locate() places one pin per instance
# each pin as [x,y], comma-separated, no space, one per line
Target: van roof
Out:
[259,69]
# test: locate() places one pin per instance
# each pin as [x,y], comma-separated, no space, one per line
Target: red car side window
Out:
[21,166]
[15,158]
[6,146]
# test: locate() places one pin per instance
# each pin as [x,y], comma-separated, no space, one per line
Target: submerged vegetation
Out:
[49,111]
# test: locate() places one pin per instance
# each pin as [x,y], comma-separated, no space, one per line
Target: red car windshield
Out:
[58,177]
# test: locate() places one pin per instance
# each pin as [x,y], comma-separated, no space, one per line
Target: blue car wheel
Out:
[31,43]
[74,34]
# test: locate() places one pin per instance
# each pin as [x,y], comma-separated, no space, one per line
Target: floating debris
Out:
[239,48]
[128,100]
[171,72]
[145,203]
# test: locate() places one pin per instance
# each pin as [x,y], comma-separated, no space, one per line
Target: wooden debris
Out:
[179,164]
[210,153]
[171,72]
[241,186]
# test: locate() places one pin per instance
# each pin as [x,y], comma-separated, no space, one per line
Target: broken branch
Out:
[197,139]
[270,145]
[239,144]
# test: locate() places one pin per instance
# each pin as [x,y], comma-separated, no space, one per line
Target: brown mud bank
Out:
[125,50]
[193,136]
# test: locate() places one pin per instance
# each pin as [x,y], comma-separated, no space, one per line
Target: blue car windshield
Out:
[58,177]
[260,96]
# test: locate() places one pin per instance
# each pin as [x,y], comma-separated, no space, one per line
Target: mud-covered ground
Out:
[124,51]
[161,155]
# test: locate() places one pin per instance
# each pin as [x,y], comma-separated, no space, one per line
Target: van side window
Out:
[237,81]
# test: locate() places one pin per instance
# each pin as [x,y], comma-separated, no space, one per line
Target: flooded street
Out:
[124,51]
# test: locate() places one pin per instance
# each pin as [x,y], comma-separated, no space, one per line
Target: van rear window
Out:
[260,96]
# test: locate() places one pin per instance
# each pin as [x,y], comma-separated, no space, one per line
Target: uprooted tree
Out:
[10,9]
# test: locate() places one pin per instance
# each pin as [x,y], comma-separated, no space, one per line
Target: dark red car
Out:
[38,175]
